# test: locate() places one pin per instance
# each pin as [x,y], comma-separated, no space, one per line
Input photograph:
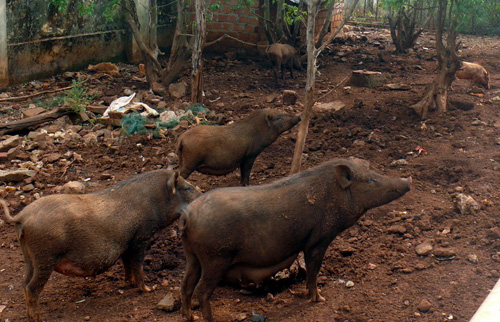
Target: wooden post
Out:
[197,59]
[4,61]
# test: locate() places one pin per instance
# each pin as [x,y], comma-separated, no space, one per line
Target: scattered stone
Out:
[444,253]
[15,175]
[97,109]
[269,297]
[424,306]
[424,248]
[9,143]
[241,317]
[87,318]
[177,90]
[74,187]
[397,229]
[289,97]
[167,303]
[466,204]
[349,284]
[68,75]
[473,258]
[105,176]
[398,87]
[33,111]
[371,266]
[271,97]
[28,188]
[399,163]
[335,106]
[52,157]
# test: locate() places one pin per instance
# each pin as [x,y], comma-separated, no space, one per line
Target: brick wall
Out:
[242,24]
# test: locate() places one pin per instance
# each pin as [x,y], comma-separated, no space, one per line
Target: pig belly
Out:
[242,273]
[69,268]
[216,171]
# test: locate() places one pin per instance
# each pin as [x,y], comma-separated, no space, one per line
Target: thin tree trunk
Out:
[197,59]
[312,7]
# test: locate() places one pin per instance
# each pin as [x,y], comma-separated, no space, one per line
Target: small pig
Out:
[218,150]
[476,73]
[282,55]
[83,235]
[247,234]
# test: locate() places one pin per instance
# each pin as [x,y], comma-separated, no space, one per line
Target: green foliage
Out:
[77,96]
[50,102]
[479,17]
[293,14]
[87,7]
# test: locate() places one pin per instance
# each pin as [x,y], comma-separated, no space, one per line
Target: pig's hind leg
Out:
[133,259]
[34,287]
[189,282]
[314,257]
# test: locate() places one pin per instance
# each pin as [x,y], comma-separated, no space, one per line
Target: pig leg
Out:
[133,263]
[313,258]
[29,267]
[191,279]
[290,67]
[34,288]
[245,169]
[211,275]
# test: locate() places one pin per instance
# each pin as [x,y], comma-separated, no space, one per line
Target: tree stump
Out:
[365,78]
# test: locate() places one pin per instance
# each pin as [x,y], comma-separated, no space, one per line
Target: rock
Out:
[105,176]
[15,175]
[444,253]
[167,303]
[11,154]
[52,157]
[97,109]
[374,137]
[400,87]
[364,78]
[68,75]
[271,97]
[424,306]
[177,90]
[172,158]
[349,284]
[399,163]
[269,297]
[466,204]
[159,89]
[90,138]
[33,111]
[74,187]
[336,107]
[424,248]
[28,188]
[397,229]
[241,317]
[473,258]
[9,143]
[289,97]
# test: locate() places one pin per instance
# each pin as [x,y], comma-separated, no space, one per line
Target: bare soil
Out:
[459,152]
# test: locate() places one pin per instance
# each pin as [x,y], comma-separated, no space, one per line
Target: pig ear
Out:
[269,119]
[344,176]
[172,182]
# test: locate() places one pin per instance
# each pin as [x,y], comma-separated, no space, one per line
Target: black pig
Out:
[247,234]
[218,150]
[83,235]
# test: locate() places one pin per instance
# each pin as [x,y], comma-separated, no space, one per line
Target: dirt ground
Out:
[457,152]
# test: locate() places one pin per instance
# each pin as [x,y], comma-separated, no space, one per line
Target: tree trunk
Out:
[436,97]
[197,59]
[23,124]
[312,9]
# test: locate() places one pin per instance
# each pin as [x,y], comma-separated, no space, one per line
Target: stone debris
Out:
[466,205]
[424,248]
[424,306]
[167,303]
[15,175]
[73,187]
[335,107]
[289,97]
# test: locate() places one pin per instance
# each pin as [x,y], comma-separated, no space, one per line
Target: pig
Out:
[218,150]
[282,55]
[476,73]
[84,235]
[247,234]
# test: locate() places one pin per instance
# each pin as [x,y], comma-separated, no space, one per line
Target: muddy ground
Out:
[457,152]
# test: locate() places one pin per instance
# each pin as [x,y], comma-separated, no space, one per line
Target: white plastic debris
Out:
[125,104]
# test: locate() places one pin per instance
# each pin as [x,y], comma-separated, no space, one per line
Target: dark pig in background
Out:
[83,235]
[476,73]
[282,55]
[247,234]
[218,150]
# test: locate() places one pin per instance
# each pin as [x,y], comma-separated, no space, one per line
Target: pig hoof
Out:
[146,289]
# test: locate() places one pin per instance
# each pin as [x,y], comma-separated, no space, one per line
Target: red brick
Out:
[243,36]
[231,18]
[243,19]
[238,27]
[216,26]
[253,21]
[249,28]
[222,17]
[253,37]
[226,26]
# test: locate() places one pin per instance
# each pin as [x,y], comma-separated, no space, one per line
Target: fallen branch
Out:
[20,125]
[233,38]
[334,88]
[18,98]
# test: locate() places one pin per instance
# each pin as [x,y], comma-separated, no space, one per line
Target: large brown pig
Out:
[282,55]
[475,72]
[83,235]
[218,150]
[247,234]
